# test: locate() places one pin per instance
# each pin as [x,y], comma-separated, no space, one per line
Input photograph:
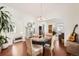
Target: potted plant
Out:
[6,25]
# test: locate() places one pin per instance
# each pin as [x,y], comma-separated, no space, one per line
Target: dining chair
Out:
[48,35]
[52,45]
[36,35]
[33,49]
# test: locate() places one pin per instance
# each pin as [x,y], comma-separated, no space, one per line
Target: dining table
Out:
[42,41]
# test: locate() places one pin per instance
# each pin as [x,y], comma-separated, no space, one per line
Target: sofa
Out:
[72,48]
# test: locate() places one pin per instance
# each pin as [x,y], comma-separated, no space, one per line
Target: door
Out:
[49,28]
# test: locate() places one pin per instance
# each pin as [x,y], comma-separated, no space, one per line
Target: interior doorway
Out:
[60,32]
[40,31]
[49,28]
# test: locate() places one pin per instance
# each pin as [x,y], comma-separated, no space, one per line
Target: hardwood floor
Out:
[19,49]
[59,49]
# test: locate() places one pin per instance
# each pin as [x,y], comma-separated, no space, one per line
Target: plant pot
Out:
[5,45]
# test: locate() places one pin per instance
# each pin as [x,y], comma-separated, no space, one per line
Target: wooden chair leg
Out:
[41,53]
[52,52]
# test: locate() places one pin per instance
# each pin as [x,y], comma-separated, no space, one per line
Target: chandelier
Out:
[41,17]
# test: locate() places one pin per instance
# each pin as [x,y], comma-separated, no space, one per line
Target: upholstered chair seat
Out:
[33,49]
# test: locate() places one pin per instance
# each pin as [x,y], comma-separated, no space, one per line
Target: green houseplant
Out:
[6,25]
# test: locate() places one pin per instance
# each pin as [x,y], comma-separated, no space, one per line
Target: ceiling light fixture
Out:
[41,18]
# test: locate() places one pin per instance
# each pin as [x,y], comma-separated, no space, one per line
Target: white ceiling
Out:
[45,9]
